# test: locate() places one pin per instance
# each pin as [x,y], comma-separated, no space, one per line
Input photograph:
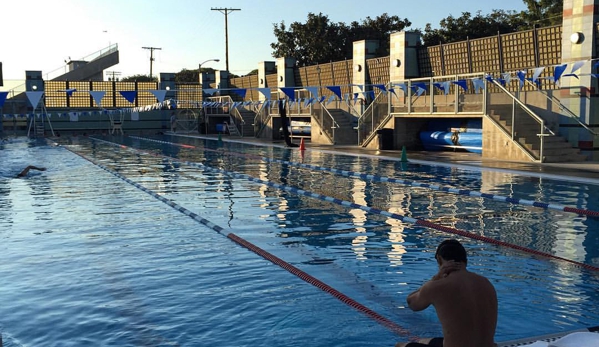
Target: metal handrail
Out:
[235,114]
[562,107]
[368,117]
[538,119]
[261,119]
[331,124]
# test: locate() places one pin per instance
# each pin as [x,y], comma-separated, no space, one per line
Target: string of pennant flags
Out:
[416,88]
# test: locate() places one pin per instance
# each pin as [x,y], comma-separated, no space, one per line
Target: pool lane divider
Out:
[345,203]
[394,327]
[376,178]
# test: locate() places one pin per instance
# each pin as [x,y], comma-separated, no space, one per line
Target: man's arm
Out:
[420,299]
[423,297]
[30,167]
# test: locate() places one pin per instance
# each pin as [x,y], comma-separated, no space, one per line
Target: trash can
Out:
[385,138]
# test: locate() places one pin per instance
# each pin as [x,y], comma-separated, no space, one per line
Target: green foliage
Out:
[140,78]
[543,12]
[321,41]
[187,76]
[452,29]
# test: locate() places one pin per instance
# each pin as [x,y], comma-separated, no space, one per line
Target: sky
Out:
[41,34]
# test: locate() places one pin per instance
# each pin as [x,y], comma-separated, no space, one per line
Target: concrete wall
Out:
[150,122]
[497,145]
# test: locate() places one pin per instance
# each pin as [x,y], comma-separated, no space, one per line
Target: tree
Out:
[187,76]
[540,13]
[543,12]
[318,40]
[140,78]
[465,27]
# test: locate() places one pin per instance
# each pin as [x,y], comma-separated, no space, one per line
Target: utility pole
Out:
[152,49]
[114,75]
[226,11]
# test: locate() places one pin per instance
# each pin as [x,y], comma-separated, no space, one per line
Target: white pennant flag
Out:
[98,96]
[34,98]
[577,65]
[537,73]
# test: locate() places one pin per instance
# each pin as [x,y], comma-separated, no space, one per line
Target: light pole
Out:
[204,62]
[202,111]
[200,69]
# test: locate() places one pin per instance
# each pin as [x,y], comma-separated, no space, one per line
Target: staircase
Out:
[248,119]
[345,134]
[233,130]
[556,149]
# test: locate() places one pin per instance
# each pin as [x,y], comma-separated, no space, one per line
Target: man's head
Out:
[451,250]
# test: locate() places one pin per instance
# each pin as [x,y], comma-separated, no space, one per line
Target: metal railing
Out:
[223,106]
[518,126]
[326,121]
[261,119]
[89,58]
[375,116]
[562,107]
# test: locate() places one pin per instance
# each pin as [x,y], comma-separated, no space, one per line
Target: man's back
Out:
[466,304]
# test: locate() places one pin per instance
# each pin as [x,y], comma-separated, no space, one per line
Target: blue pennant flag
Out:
[462,83]
[403,87]
[3,96]
[479,85]
[440,86]
[129,95]
[290,92]
[265,92]
[336,90]
[559,71]
[240,91]
[381,87]
[522,77]
[419,88]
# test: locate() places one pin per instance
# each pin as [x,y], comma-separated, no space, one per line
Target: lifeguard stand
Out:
[38,126]
[116,121]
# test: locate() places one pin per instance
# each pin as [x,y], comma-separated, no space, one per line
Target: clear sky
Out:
[42,34]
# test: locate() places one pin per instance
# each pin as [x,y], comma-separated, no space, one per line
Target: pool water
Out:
[87,258]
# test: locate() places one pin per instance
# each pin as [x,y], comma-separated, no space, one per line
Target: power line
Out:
[114,75]
[152,49]
[226,11]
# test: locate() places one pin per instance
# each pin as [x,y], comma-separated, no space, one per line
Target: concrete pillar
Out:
[403,57]
[207,79]
[265,68]
[285,72]
[222,79]
[362,50]
[580,95]
[167,79]
[34,79]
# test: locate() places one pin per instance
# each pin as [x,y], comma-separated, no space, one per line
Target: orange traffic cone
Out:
[302,146]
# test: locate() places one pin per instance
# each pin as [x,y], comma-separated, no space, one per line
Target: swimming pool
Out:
[87,257]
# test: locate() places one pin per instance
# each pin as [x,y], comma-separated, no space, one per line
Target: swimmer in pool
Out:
[30,167]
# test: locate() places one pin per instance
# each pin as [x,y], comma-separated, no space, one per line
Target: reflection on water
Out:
[85,214]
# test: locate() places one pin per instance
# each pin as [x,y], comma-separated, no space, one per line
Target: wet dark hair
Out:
[452,250]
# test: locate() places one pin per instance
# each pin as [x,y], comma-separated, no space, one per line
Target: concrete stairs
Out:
[248,118]
[556,149]
[345,134]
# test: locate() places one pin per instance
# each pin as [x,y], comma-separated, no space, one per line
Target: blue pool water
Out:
[87,258]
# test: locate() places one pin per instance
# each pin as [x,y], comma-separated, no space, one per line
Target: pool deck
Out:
[586,171]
